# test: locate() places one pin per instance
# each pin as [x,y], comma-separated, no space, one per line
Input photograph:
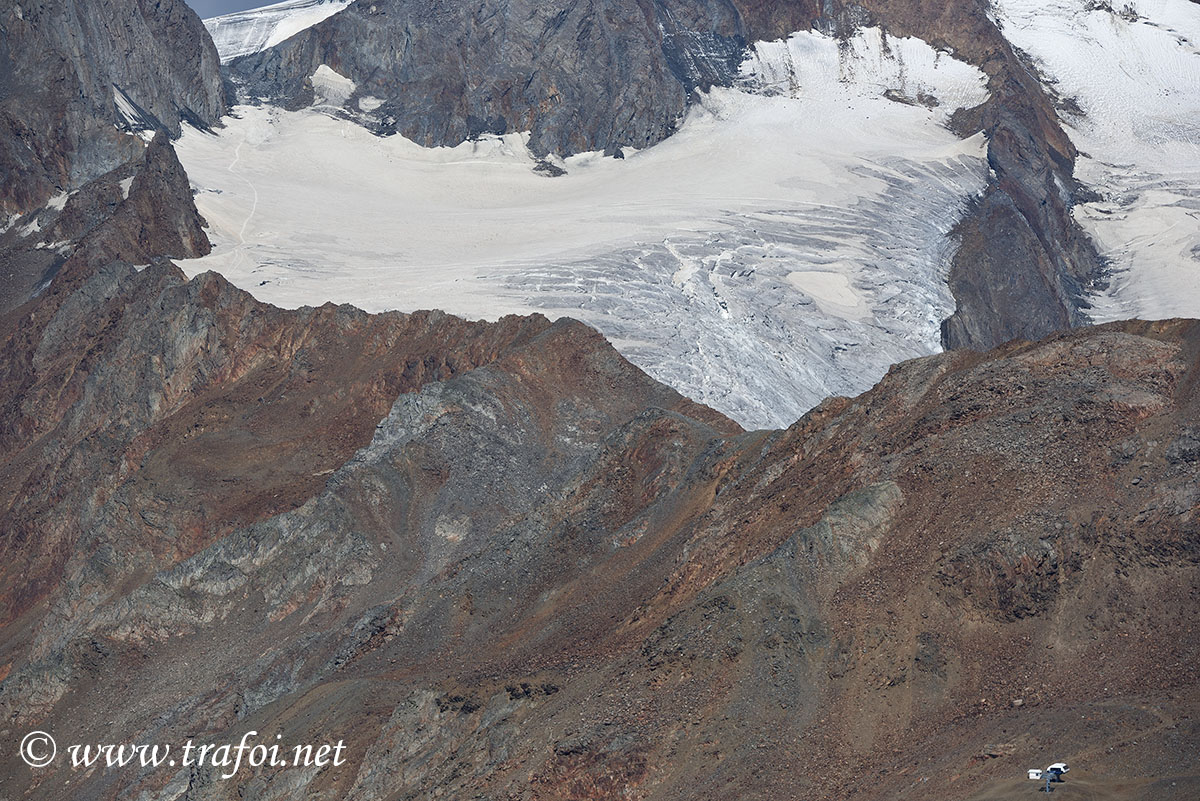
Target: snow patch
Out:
[135,120]
[125,187]
[831,290]
[790,242]
[813,66]
[331,88]
[126,107]
[34,226]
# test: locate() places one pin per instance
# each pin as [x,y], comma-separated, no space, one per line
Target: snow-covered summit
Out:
[257,29]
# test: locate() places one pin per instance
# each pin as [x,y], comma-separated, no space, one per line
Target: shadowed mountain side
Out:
[77,76]
[84,86]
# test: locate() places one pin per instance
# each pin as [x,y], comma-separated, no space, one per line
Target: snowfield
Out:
[790,242]
[1133,69]
[246,32]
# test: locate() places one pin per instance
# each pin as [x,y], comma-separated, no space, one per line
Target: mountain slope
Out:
[1016,262]
[496,559]
[579,77]
[525,569]
[1142,167]
[1022,266]
[77,74]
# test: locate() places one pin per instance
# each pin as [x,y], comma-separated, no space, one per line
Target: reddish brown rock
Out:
[498,561]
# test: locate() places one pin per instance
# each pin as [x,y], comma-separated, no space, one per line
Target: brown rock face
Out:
[141,210]
[767,20]
[497,561]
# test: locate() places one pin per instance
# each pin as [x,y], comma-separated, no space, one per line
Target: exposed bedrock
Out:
[579,76]
[1023,265]
[66,68]
[83,86]
[140,210]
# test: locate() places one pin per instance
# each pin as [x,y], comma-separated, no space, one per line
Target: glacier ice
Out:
[245,32]
[1131,74]
[789,242]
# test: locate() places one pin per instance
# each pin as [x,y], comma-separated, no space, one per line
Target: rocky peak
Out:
[77,77]
[138,211]
[580,77]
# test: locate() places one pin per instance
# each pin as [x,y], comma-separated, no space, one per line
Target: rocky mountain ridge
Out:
[500,561]
[579,77]
[83,87]
[1023,264]
[138,211]
[77,74]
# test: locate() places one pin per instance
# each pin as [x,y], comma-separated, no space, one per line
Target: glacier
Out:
[1143,166]
[790,242]
[245,32]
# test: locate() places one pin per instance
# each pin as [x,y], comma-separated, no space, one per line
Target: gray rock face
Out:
[1024,265]
[65,67]
[580,76]
[137,211]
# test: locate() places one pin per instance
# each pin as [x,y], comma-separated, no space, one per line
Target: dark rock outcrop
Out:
[1022,264]
[157,217]
[63,68]
[580,76]
[138,211]
[498,561]
[79,183]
